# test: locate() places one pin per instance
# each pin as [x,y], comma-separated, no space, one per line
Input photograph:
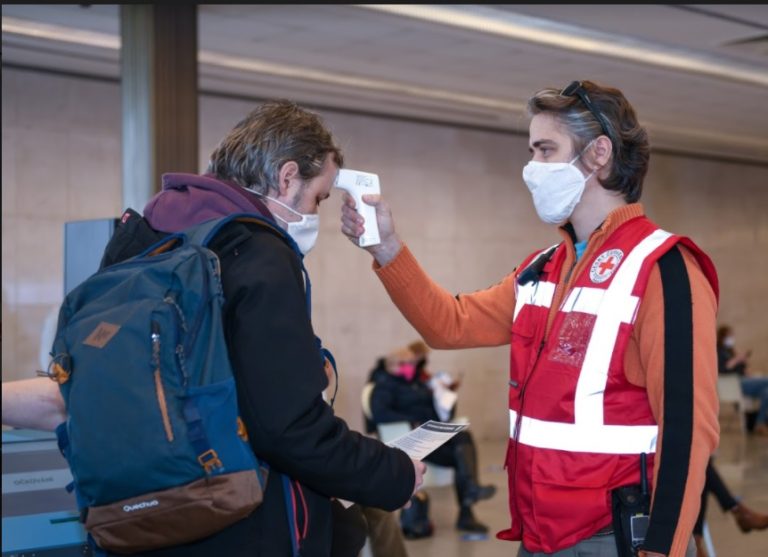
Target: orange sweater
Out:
[484,318]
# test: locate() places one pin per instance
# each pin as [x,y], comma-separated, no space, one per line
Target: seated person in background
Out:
[379,371]
[731,362]
[746,519]
[442,384]
[399,396]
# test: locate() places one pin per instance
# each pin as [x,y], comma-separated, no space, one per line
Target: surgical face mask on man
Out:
[729,342]
[556,187]
[304,232]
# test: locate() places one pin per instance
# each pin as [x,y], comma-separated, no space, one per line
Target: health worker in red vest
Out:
[612,336]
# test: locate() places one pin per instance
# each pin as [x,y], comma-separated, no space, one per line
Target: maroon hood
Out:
[189,199]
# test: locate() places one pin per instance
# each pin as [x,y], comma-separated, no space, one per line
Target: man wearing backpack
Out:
[279,162]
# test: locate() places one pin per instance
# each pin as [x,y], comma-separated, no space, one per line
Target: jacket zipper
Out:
[551,315]
[518,423]
[159,389]
[542,344]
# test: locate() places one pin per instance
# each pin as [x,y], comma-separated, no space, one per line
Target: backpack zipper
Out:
[181,324]
[159,389]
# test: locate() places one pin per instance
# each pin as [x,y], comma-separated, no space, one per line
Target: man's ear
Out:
[286,175]
[602,149]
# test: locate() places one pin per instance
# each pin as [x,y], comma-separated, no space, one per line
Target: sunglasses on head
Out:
[576,89]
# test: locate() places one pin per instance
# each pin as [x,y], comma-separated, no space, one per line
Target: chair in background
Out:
[729,391]
[708,541]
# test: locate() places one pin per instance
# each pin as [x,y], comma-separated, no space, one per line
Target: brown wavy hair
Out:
[631,151]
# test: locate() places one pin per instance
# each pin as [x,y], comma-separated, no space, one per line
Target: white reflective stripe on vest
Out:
[589,433]
[604,439]
[590,390]
[585,299]
[534,293]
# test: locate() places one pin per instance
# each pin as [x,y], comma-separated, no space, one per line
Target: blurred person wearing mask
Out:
[729,361]
[401,396]
[611,333]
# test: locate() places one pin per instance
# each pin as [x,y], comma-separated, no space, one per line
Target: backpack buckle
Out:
[241,431]
[210,461]
[56,371]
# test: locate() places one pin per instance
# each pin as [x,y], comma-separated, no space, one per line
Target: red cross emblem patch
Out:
[605,264]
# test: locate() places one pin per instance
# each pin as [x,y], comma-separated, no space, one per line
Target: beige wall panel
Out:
[42,167]
[94,175]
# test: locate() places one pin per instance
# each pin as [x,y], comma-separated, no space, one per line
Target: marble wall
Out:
[458,201]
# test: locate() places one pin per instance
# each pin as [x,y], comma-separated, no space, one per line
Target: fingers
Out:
[351,228]
[419,468]
[351,221]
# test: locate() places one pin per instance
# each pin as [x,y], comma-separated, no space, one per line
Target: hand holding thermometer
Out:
[357,184]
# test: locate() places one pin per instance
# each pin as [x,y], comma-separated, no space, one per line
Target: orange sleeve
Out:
[644,366]
[482,318]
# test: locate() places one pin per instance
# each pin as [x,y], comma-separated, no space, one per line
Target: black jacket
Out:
[395,399]
[280,378]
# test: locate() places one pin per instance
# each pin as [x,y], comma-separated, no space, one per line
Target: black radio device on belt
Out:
[631,506]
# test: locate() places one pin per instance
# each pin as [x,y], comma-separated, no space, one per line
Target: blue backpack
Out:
[158,453]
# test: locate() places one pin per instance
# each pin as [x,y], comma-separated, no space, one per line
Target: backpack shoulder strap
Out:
[163,245]
[203,233]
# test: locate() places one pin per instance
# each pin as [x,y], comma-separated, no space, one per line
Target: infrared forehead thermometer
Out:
[358,184]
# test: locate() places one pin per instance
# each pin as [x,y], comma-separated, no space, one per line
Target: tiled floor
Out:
[741,460]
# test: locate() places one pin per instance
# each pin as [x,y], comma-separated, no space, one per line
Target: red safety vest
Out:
[577,426]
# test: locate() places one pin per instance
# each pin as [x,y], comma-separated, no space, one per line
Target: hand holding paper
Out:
[418,443]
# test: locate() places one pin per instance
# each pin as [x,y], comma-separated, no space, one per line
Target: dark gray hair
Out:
[631,151]
[276,132]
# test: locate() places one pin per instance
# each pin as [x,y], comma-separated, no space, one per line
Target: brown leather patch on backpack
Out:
[175,516]
[102,334]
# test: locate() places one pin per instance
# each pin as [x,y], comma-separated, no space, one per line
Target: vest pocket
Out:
[523,349]
[523,327]
[562,468]
[562,481]
[572,336]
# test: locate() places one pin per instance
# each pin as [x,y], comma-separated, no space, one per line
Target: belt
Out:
[605,531]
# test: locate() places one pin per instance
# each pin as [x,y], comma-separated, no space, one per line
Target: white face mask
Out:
[556,188]
[729,342]
[304,232]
